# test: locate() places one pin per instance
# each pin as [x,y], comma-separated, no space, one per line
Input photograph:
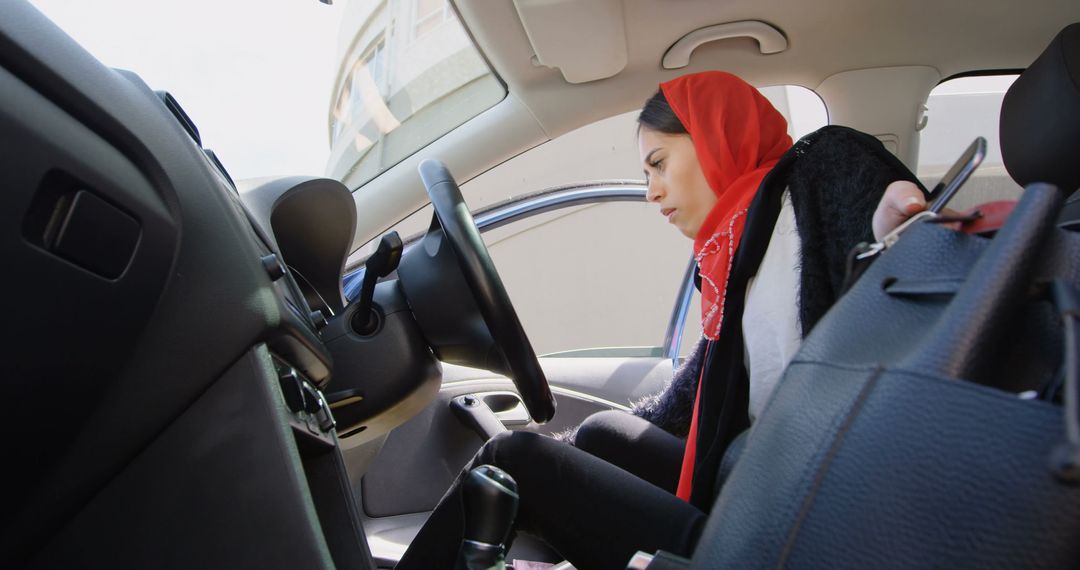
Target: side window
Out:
[597,280]
[593,280]
[804,110]
[957,111]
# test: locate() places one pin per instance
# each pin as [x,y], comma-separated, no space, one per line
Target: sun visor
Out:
[561,31]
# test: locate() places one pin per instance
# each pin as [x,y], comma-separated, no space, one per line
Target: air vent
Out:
[181,117]
[213,158]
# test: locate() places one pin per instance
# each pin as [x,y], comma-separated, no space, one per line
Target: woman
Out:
[707,141]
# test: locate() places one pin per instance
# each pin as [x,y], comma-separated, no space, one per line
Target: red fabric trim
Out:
[686,474]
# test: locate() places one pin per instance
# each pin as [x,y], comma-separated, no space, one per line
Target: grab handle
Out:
[769,40]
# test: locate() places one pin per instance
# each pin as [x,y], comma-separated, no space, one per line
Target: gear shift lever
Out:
[491,502]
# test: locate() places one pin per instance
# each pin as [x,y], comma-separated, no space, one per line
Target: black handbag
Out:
[920,425]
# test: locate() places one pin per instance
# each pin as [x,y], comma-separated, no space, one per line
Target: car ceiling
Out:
[824,39]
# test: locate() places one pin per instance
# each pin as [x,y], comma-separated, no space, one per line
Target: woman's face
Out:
[675,179]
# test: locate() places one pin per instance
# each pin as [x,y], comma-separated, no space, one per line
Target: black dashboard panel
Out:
[136,321]
[73,330]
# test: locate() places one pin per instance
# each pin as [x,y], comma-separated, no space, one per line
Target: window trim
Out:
[677,324]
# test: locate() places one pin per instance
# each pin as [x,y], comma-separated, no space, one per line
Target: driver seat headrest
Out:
[1040,116]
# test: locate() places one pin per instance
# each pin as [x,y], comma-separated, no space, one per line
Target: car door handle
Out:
[508,408]
[472,411]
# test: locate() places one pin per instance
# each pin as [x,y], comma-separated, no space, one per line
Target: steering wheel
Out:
[449,279]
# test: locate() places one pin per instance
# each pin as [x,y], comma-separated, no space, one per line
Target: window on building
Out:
[429,15]
[375,62]
[368,77]
[341,112]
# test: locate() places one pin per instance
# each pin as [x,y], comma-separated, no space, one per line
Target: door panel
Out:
[420,459]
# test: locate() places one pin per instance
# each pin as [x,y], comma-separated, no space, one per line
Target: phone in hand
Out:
[956,176]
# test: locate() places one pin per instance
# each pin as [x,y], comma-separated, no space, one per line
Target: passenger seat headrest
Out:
[1040,117]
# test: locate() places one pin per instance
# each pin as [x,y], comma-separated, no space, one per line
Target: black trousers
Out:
[593,512]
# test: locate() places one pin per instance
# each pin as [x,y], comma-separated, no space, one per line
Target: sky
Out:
[254,75]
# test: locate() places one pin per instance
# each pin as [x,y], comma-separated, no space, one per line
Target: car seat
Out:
[1040,121]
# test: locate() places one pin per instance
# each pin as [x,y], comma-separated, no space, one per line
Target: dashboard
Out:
[163,333]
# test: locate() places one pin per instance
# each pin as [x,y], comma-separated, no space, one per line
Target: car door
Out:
[603,292]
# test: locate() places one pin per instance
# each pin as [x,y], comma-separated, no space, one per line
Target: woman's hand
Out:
[902,200]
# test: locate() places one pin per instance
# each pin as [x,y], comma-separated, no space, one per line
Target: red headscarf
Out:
[738,137]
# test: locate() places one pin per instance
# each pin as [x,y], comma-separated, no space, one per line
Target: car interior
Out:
[209,372]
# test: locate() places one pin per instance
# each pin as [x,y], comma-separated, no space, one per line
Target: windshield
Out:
[408,74]
[283,87]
